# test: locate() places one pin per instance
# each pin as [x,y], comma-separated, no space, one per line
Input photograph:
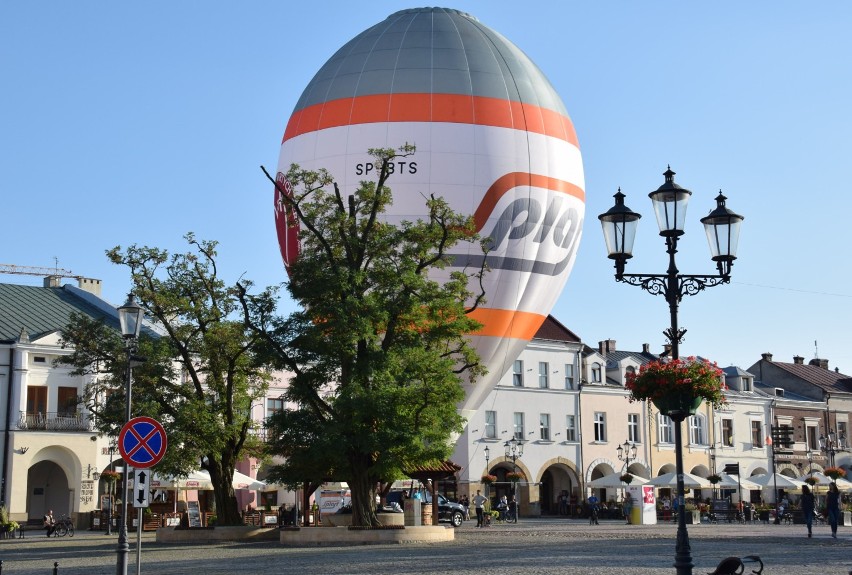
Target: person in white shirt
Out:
[478,503]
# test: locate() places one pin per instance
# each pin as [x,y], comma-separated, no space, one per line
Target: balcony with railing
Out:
[55,421]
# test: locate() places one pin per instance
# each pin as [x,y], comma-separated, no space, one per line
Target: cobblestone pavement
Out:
[532,547]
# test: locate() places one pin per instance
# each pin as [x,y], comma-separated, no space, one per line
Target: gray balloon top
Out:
[431,51]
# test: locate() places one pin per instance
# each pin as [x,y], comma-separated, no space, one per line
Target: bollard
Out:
[56,568]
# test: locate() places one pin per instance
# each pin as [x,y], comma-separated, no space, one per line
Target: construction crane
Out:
[37,271]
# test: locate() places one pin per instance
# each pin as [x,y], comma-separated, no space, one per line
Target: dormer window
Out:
[596,372]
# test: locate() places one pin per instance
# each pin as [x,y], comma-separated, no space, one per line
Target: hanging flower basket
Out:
[110,476]
[488,479]
[834,472]
[626,478]
[811,480]
[514,476]
[714,479]
[678,386]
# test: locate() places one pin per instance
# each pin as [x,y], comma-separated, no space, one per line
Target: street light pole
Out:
[130,317]
[487,471]
[831,443]
[722,227]
[111,486]
[514,449]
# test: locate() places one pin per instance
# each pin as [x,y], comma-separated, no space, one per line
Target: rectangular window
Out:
[274,405]
[66,405]
[600,426]
[728,432]
[491,424]
[519,425]
[665,431]
[569,376]
[570,428]
[518,373]
[544,426]
[696,430]
[756,434]
[543,381]
[842,438]
[812,434]
[36,399]
[633,428]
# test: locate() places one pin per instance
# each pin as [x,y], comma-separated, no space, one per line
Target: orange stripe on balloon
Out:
[451,108]
[507,323]
[513,180]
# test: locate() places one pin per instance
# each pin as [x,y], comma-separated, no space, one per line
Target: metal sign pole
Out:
[139,515]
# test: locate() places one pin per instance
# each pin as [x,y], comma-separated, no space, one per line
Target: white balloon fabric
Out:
[493,139]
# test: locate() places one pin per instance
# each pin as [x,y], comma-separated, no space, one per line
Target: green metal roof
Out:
[43,310]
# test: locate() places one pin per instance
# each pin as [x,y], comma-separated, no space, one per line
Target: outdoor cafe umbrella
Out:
[734,482]
[689,480]
[823,481]
[614,480]
[776,480]
[200,480]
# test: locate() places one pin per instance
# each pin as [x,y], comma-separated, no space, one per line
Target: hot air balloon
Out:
[493,139]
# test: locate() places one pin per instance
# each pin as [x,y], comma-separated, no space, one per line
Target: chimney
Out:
[823,363]
[766,356]
[667,350]
[606,346]
[90,285]
[646,348]
[52,282]
[798,360]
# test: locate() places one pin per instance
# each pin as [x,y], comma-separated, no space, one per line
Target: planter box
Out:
[345,519]
[342,536]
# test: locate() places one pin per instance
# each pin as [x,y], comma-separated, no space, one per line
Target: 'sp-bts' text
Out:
[367,168]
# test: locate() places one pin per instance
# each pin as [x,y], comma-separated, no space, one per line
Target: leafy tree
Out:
[202,371]
[378,346]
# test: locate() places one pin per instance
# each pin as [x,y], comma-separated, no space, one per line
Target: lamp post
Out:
[113,445]
[514,449]
[487,471]
[831,443]
[130,317]
[722,227]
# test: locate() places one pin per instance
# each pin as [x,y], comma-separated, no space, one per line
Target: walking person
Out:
[478,502]
[807,504]
[832,504]
[465,501]
[593,510]
[627,506]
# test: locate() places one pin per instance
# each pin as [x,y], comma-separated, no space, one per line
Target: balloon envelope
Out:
[493,139]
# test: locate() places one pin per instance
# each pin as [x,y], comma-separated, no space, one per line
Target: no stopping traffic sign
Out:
[142,442]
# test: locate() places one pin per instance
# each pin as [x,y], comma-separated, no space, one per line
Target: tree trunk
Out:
[363,495]
[227,509]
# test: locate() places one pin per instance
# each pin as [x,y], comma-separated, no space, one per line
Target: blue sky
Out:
[130,123]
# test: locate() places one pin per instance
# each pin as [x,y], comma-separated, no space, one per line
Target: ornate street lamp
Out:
[722,227]
[626,453]
[130,317]
[832,443]
[514,450]
[487,459]
[113,446]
